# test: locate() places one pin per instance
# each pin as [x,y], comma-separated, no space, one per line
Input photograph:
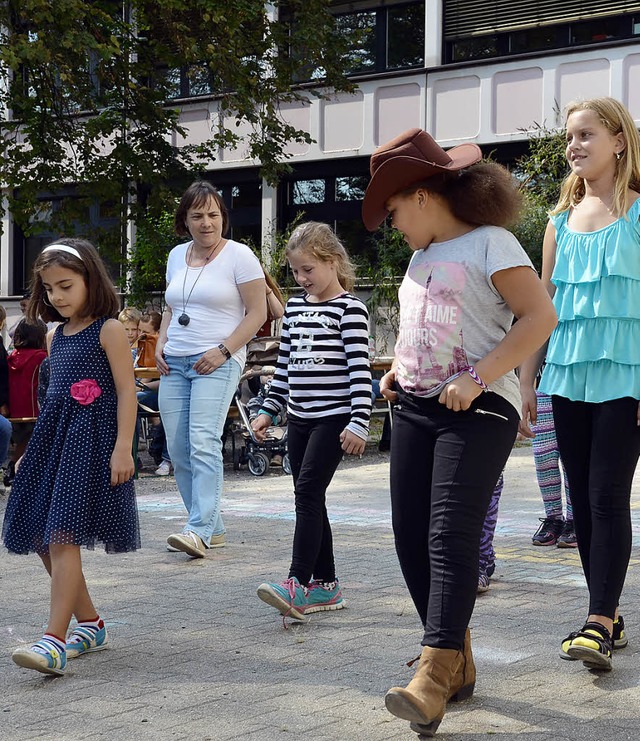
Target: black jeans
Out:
[599,445]
[444,467]
[315,452]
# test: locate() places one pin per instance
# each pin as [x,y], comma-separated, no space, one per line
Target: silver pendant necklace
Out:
[184,318]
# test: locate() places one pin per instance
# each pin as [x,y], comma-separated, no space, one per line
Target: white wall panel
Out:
[587,78]
[455,105]
[631,84]
[342,122]
[516,100]
[397,108]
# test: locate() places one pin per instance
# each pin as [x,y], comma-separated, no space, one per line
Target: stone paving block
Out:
[196,655]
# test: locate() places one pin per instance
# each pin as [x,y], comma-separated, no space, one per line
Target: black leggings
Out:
[599,445]
[315,452]
[444,467]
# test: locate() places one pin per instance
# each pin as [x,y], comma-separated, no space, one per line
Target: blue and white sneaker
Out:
[289,598]
[320,598]
[83,640]
[43,656]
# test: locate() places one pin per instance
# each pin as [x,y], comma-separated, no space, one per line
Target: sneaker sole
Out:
[591,658]
[552,542]
[183,547]
[27,660]
[562,544]
[326,607]
[172,549]
[273,599]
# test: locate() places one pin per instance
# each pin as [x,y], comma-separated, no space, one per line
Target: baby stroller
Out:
[254,453]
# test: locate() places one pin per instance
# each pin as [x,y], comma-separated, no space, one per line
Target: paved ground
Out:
[196,655]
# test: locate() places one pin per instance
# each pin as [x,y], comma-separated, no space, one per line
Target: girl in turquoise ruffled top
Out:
[591,266]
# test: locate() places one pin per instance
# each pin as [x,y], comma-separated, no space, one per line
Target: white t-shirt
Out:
[451,314]
[214,307]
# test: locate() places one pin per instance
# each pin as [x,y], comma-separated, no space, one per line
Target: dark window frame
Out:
[504,42]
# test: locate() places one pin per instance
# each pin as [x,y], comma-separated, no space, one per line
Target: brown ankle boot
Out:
[424,700]
[464,681]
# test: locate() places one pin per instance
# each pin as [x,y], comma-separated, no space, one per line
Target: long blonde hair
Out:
[617,120]
[322,242]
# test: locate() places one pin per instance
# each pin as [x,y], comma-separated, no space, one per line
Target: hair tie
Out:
[63,248]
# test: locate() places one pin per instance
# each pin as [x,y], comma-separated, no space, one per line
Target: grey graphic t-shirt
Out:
[451,314]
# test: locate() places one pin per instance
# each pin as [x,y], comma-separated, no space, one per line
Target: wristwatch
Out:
[224,350]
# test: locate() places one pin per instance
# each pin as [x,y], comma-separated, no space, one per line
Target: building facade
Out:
[465,70]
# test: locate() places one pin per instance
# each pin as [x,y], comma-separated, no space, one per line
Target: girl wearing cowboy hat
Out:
[453,379]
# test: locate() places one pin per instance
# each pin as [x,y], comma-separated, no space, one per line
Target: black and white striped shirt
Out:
[323,365]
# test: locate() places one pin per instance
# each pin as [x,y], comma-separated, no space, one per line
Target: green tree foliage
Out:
[89,80]
[541,172]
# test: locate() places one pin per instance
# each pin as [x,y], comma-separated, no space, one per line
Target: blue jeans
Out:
[193,409]
[5,438]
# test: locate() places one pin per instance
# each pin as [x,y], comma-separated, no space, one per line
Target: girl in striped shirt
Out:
[323,380]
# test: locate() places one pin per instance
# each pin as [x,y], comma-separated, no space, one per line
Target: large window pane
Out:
[246,195]
[405,36]
[308,191]
[360,30]
[351,188]
[200,80]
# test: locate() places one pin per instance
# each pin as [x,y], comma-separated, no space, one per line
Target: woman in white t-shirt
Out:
[467,279]
[215,304]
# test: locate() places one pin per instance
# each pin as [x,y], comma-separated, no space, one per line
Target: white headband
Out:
[63,248]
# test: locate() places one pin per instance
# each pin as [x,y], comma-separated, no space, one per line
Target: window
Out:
[361,29]
[475,30]
[405,36]
[307,191]
[383,38]
[351,188]
[333,197]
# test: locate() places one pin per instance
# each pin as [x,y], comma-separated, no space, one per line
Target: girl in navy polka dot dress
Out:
[74,485]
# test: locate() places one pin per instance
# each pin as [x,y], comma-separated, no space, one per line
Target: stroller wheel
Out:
[258,464]
[286,464]
[237,458]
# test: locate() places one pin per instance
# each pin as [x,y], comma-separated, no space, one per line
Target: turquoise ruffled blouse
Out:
[594,352]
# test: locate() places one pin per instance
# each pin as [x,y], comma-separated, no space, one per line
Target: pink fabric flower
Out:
[85,391]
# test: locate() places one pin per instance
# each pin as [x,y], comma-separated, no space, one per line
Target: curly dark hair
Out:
[483,194]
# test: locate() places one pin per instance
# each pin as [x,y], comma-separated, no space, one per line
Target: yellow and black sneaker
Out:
[618,639]
[592,646]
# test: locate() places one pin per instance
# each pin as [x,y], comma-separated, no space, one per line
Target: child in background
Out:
[591,266]
[487,563]
[24,302]
[130,317]
[74,486]
[150,322]
[458,399]
[555,529]
[148,391]
[5,425]
[323,380]
[29,341]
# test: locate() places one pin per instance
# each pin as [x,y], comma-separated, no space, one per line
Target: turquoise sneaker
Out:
[289,598]
[320,598]
[83,640]
[42,656]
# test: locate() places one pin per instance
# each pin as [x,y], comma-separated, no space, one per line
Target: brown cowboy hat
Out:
[409,158]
